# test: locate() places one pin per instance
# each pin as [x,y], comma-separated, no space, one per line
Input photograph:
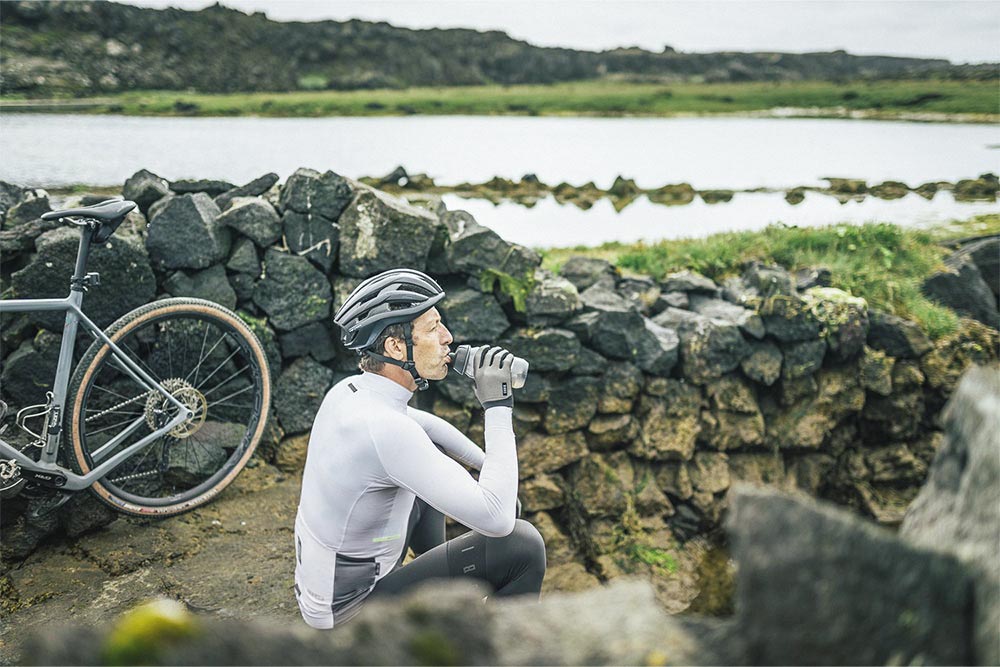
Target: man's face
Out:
[431,339]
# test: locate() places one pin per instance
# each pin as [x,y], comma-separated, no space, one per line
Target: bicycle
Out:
[164,409]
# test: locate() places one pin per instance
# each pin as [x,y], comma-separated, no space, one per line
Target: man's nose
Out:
[446,337]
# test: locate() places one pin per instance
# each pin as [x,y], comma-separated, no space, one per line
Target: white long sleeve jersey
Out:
[369,455]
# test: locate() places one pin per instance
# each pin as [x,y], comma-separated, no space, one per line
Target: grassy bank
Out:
[885,264]
[883,99]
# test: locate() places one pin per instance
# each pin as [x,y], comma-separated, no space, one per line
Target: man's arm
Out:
[454,443]
[413,462]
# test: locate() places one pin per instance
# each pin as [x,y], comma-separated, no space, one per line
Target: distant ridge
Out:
[99,47]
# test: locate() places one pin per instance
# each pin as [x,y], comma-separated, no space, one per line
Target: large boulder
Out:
[598,489]
[210,284]
[843,320]
[897,337]
[986,255]
[958,510]
[30,204]
[540,453]
[811,419]
[669,421]
[709,348]
[145,188]
[552,299]
[254,188]
[615,328]
[960,286]
[28,371]
[734,420]
[308,191]
[312,339]
[473,249]
[474,317]
[763,363]
[184,233]
[768,280]
[211,187]
[789,318]
[641,292]
[688,281]
[747,320]
[622,383]
[292,291]
[583,272]
[299,392]
[572,404]
[544,349]
[312,236]
[379,232]
[973,343]
[253,217]
[127,281]
[656,348]
[860,594]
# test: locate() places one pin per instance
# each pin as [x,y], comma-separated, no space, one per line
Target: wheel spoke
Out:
[245,368]
[221,364]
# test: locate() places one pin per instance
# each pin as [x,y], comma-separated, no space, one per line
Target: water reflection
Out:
[548,223]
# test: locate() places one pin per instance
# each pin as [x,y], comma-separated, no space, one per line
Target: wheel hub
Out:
[159,409]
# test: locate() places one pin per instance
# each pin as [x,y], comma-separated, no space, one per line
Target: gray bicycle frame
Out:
[74,316]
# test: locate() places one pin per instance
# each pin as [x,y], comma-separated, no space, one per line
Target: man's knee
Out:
[530,543]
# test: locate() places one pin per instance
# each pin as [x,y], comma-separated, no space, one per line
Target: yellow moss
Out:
[141,634]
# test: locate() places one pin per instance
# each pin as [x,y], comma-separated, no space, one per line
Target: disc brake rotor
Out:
[159,409]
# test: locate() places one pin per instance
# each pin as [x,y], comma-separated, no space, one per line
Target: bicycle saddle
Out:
[106,211]
[109,215]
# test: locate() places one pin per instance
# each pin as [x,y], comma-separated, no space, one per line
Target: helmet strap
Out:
[408,365]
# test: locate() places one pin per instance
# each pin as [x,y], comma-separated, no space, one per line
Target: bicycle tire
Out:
[167,324]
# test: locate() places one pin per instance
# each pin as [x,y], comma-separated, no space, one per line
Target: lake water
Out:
[734,153]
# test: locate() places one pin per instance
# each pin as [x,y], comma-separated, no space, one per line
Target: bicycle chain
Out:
[128,401]
[8,470]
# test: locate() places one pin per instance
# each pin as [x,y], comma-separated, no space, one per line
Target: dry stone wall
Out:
[647,399]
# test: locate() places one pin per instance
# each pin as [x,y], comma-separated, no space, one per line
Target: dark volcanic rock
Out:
[643,293]
[571,404]
[789,318]
[614,329]
[897,337]
[243,258]
[986,254]
[28,371]
[292,292]
[538,453]
[184,234]
[861,596]
[145,188]
[210,284]
[473,248]
[768,280]
[688,281]
[552,300]
[29,206]
[961,287]
[656,348]
[710,348]
[379,232]
[843,320]
[313,339]
[803,358]
[622,383]
[474,317]
[308,191]
[253,217]
[747,320]
[544,349]
[212,188]
[312,236]
[254,188]
[763,364]
[668,420]
[584,272]
[127,281]
[958,510]
[299,392]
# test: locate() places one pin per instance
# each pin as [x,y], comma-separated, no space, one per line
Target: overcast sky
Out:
[966,31]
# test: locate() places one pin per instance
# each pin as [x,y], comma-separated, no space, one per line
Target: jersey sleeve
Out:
[443,434]
[411,461]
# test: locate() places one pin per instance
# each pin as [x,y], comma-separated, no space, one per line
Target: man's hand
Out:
[491,367]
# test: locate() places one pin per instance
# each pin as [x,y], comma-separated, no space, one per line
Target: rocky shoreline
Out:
[529,190]
[648,402]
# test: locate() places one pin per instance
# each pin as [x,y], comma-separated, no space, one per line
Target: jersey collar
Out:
[390,389]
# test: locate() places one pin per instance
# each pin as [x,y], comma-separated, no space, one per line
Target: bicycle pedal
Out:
[11,481]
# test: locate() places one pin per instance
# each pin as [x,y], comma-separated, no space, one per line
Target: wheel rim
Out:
[211,368]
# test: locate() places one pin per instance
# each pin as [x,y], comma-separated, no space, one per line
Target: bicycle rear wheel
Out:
[208,359]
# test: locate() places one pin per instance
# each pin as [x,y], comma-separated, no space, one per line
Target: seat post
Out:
[76,284]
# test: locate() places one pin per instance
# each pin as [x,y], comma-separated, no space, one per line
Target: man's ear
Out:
[395,348]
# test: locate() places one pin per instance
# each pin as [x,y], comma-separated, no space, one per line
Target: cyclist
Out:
[381,476]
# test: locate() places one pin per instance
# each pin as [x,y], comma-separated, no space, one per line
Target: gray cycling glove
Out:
[491,367]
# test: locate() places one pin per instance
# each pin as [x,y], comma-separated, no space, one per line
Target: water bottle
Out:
[462,363]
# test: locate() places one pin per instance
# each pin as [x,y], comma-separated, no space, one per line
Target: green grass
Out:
[883,263]
[600,98]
